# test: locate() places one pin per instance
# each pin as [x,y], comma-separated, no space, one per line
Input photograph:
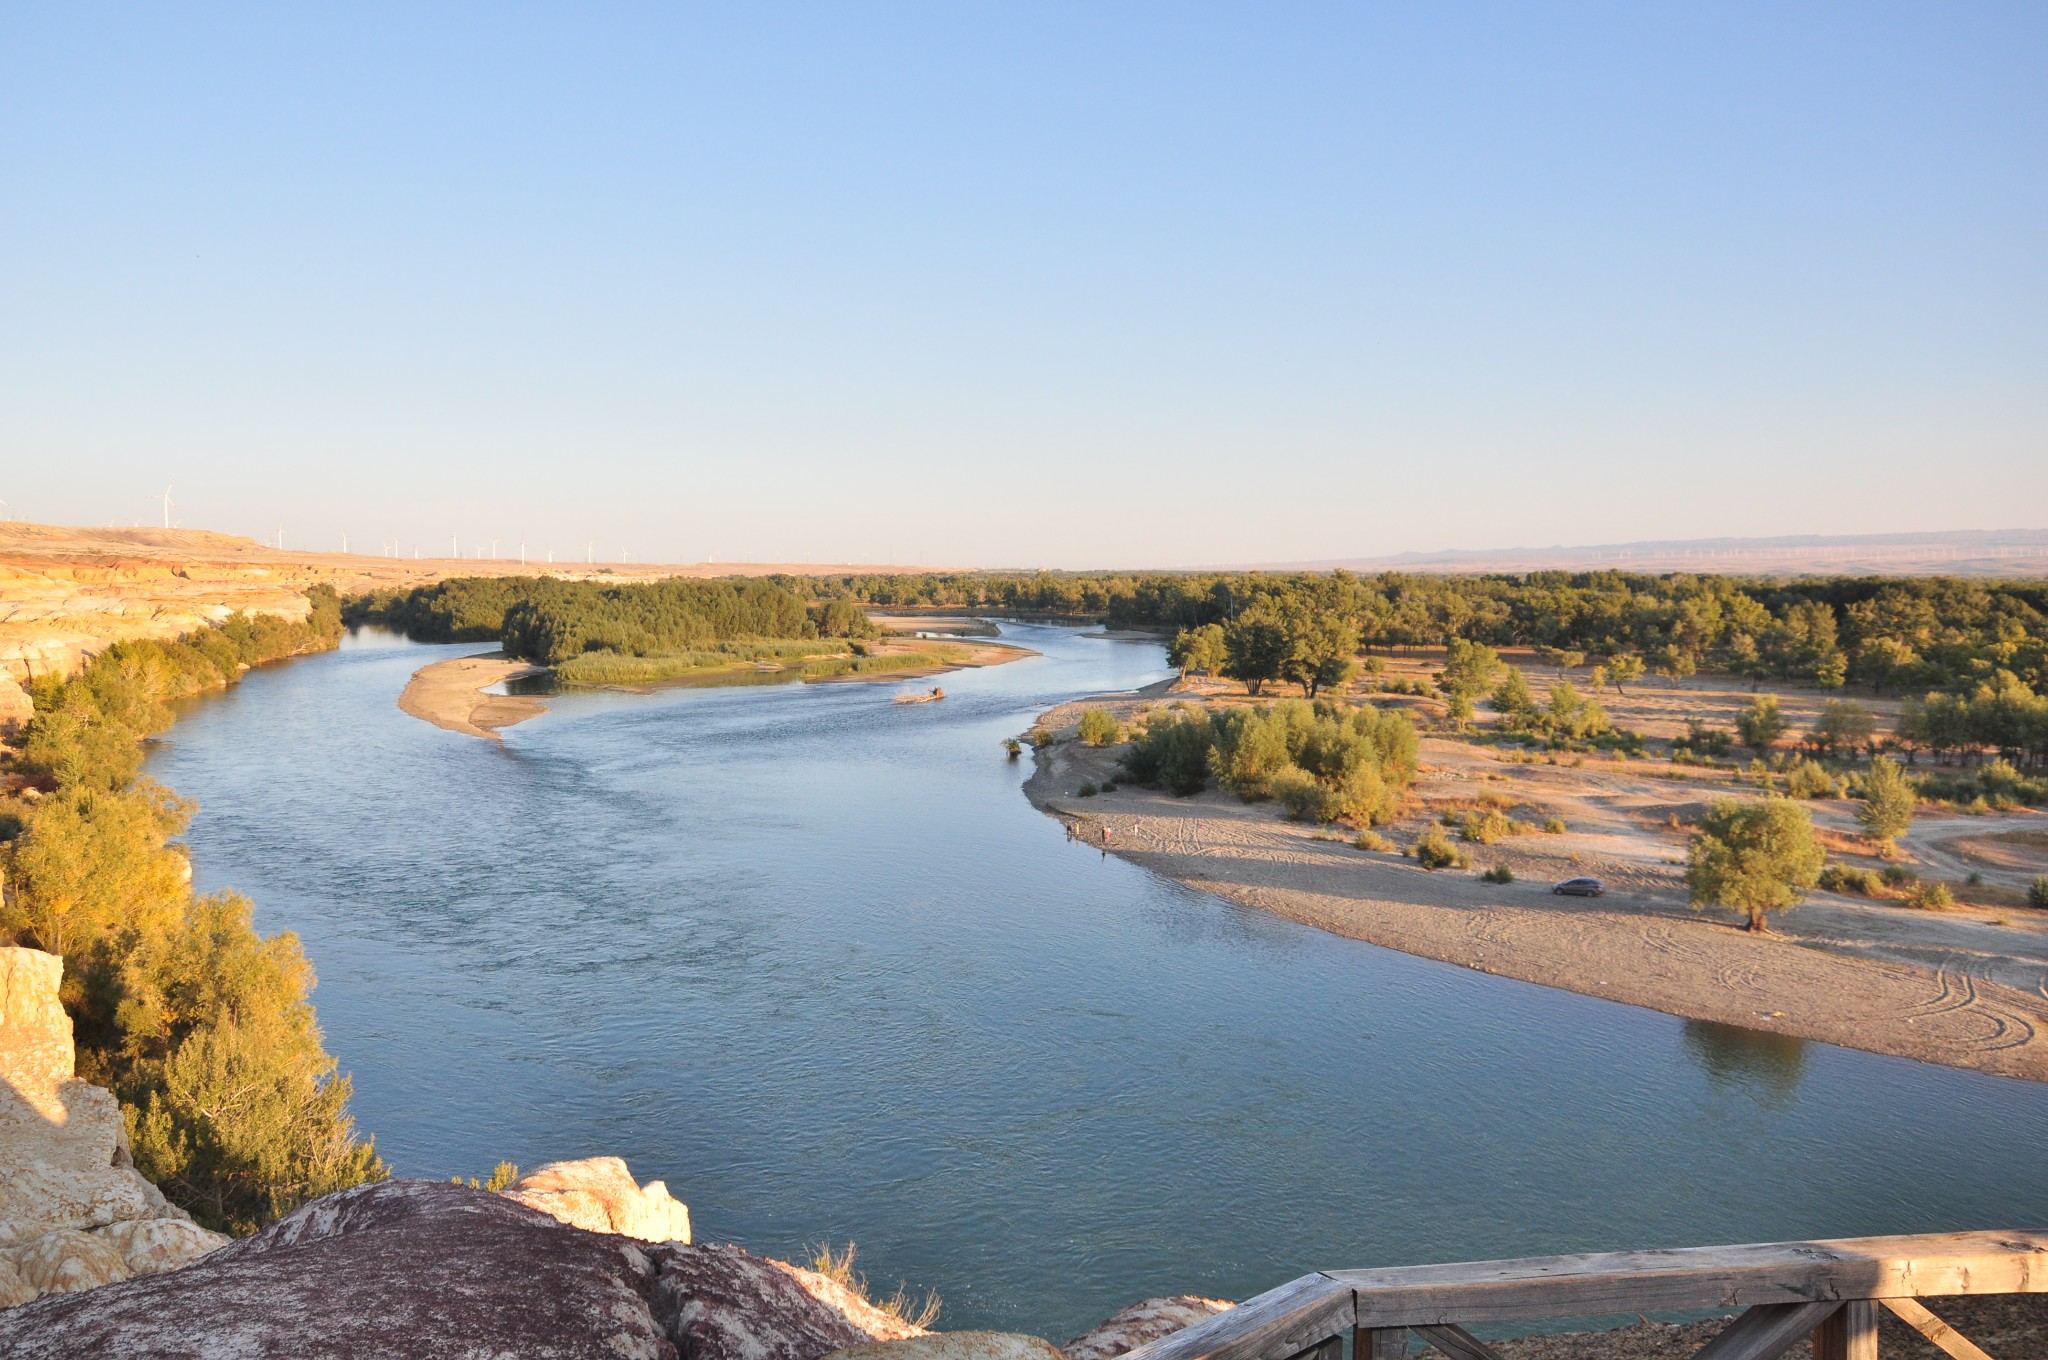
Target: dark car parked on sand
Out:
[1581,887]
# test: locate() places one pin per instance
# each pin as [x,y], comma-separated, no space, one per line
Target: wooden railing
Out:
[1830,1291]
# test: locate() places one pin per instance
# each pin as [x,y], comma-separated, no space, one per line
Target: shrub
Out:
[1041,737]
[1013,746]
[1087,789]
[1435,851]
[1499,873]
[2037,892]
[1809,779]
[1485,828]
[1373,840]
[1894,876]
[1554,827]
[1173,752]
[1934,897]
[1839,878]
[1099,727]
[1306,798]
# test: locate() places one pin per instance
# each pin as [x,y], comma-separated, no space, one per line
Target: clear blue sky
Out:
[1037,284]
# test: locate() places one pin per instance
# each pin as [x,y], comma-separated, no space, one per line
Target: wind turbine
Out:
[494,550]
[4,508]
[344,541]
[166,499]
[522,552]
[280,538]
[590,552]
[454,548]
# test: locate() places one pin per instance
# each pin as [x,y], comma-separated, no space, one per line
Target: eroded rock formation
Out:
[599,1194]
[74,1212]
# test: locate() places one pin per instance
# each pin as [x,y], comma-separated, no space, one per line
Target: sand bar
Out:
[451,694]
[1964,988]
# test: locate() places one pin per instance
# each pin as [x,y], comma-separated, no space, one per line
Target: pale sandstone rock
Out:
[1140,1324]
[13,1289]
[152,1245]
[66,1261]
[956,1346]
[599,1194]
[64,1162]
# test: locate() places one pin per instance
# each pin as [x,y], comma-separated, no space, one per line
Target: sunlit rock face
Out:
[599,1194]
[74,1212]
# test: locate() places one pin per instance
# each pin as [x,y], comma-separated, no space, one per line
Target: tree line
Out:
[550,621]
[200,1027]
[1908,635]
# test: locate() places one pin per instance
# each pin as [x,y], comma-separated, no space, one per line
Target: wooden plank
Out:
[1766,1331]
[1457,1343]
[1701,1277]
[1333,1349]
[1851,1334]
[1379,1343]
[1951,1341]
[1275,1325]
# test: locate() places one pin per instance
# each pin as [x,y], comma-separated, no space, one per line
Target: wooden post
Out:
[1849,1334]
[1379,1343]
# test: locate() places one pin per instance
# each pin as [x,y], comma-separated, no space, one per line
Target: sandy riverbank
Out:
[1965,988]
[451,694]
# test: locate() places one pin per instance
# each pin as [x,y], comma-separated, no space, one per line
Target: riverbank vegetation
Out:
[200,1026]
[1323,762]
[642,633]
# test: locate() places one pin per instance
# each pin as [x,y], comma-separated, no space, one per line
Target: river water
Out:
[812,958]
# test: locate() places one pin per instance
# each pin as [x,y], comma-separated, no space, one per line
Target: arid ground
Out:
[1966,986]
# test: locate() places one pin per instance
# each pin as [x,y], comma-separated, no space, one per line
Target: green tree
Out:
[1842,727]
[1756,856]
[1321,650]
[1761,724]
[1888,801]
[1197,649]
[1514,702]
[242,1117]
[1623,670]
[1468,667]
[1255,646]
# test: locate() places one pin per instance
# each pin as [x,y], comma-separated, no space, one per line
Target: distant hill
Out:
[1982,552]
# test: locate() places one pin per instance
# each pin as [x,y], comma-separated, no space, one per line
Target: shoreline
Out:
[450,694]
[1844,975]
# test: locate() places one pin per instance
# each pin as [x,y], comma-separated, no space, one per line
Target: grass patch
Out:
[837,1266]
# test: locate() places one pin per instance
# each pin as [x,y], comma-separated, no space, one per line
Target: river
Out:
[810,956]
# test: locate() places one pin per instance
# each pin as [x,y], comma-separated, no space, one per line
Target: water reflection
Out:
[1766,1066]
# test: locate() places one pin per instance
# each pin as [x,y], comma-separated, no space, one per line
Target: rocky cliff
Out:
[74,1212]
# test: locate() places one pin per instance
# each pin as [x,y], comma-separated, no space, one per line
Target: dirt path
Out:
[450,694]
[1965,988]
